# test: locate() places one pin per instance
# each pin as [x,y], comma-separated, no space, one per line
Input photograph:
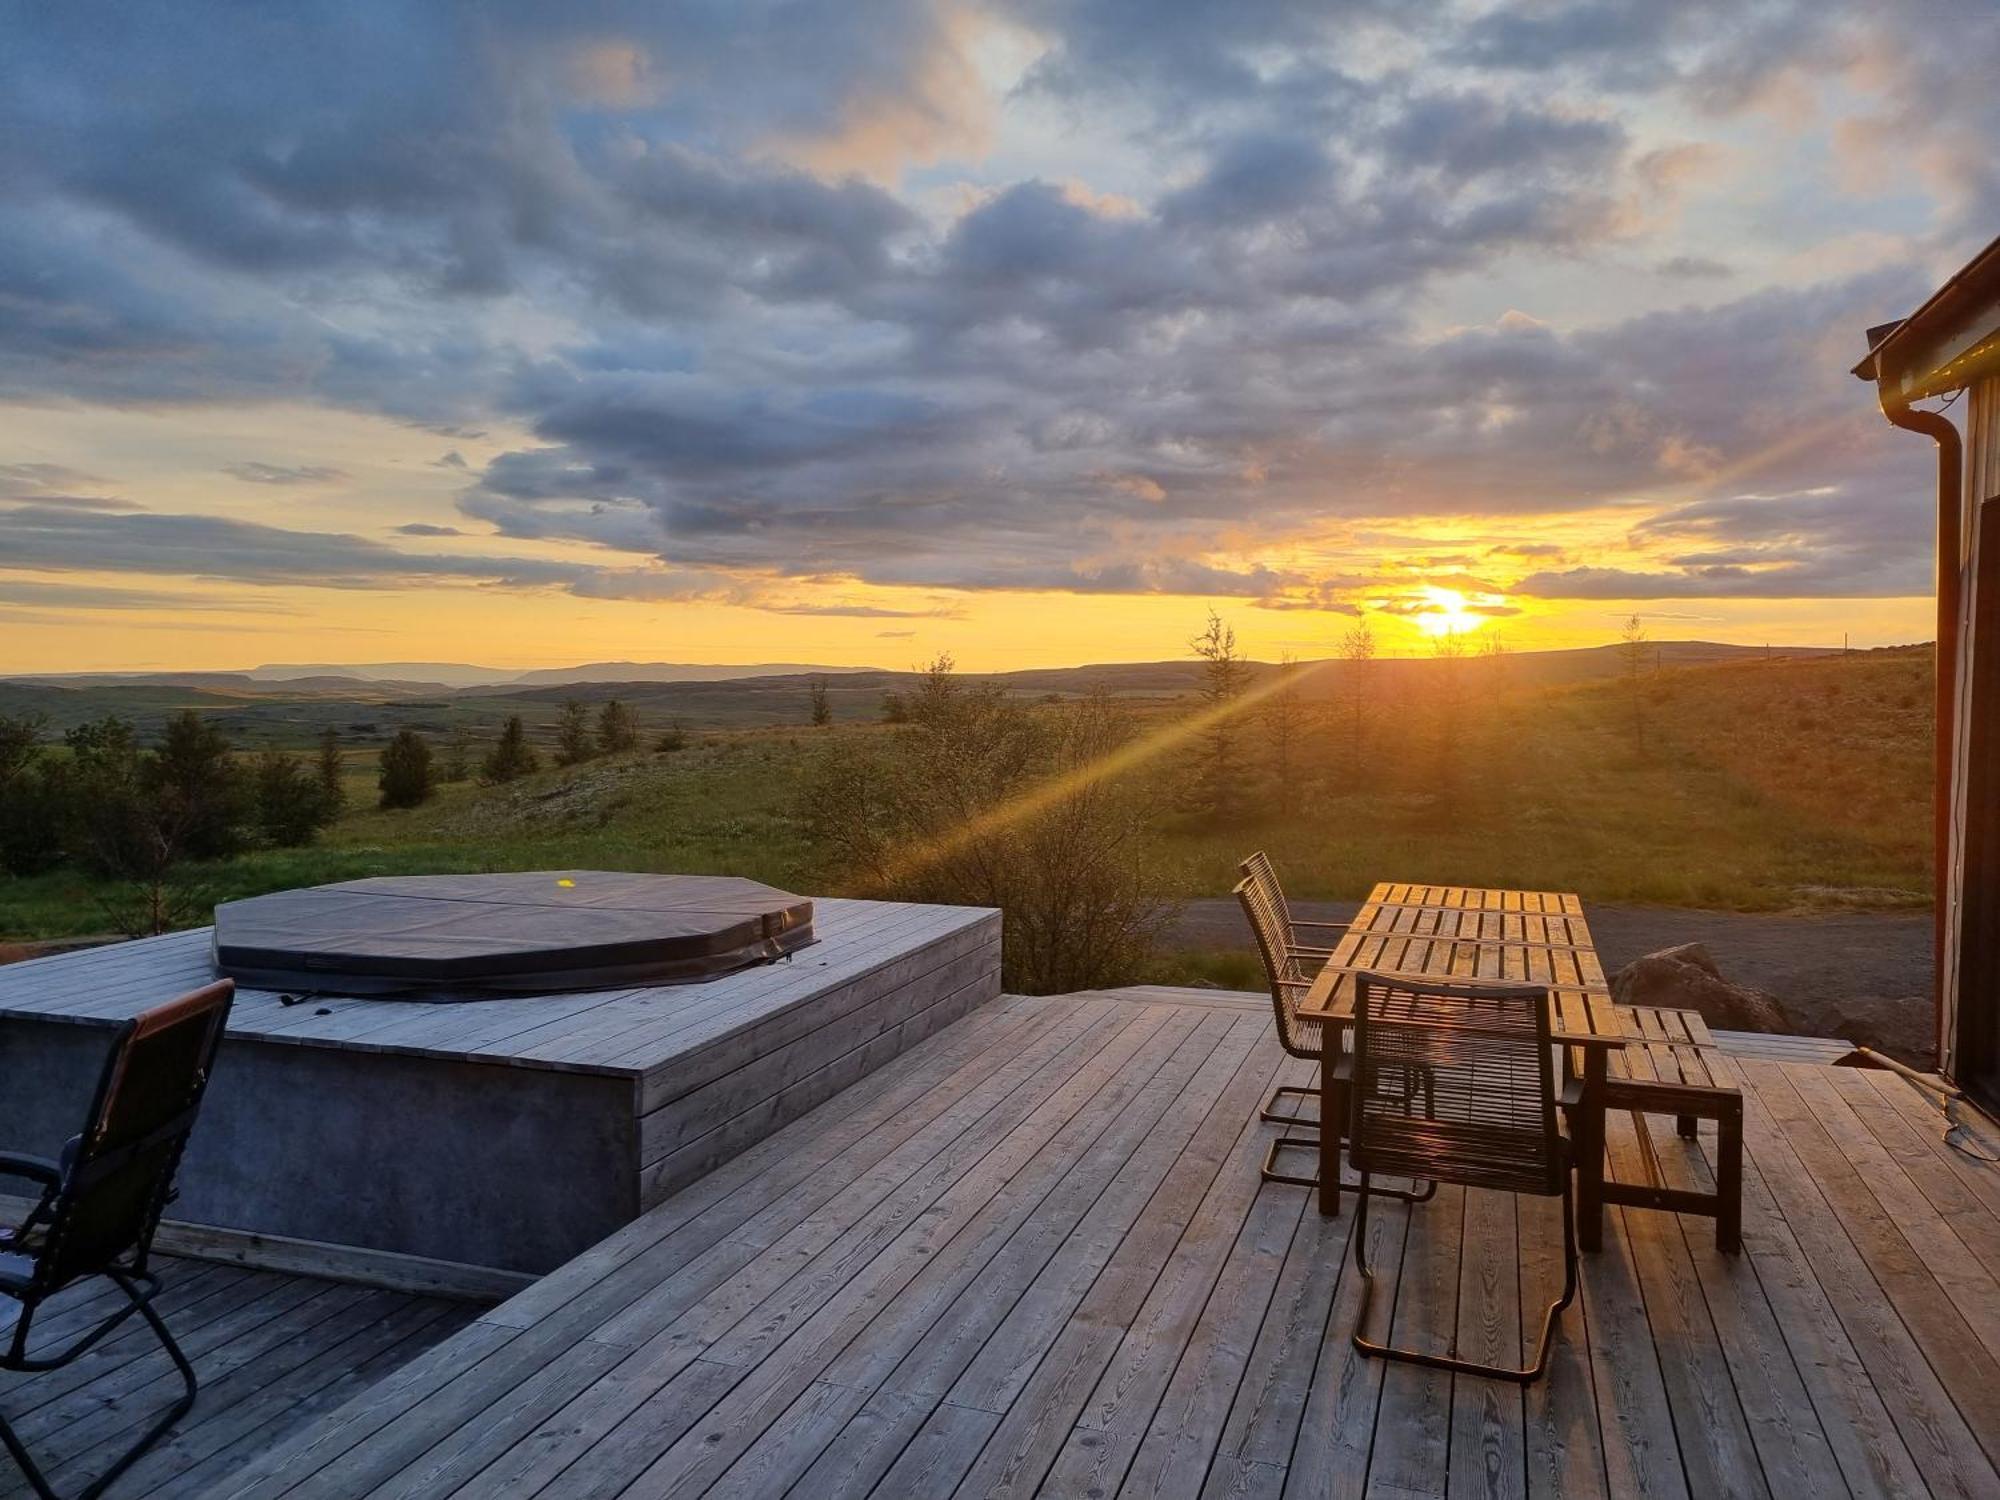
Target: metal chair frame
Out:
[1450,1041]
[1258,870]
[100,1204]
[1288,971]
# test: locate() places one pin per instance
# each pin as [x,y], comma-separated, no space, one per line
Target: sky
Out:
[1026,331]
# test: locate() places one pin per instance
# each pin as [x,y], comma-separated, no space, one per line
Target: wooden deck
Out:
[274,1352]
[1033,1256]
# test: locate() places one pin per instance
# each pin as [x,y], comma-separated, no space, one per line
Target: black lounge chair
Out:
[1457,1083]
[101,1203]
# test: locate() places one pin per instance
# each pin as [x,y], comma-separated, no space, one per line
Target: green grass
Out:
[1762,786]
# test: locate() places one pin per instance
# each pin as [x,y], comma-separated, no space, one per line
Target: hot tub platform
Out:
[510,1134]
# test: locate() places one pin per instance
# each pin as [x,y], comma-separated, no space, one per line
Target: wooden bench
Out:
[1671,1065]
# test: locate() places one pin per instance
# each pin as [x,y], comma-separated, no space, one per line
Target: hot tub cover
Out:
[471,936]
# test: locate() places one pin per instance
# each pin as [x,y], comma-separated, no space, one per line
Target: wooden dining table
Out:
[1469,933]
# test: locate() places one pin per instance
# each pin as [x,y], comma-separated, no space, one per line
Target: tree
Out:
[20,744]
[194,771]
[291,804]
[895,709]
[574,744]
[405,779]
[329,774]
[1282,714]
[1222,679]
[1447,720]
[512,756]
[1632,649]
[31,803]
[984,800]
[132,820]
[1357,683]
[456,763]
[617,731]
[672,738]
[822,709]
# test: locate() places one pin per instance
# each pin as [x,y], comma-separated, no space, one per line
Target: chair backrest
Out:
[1455,1083]
[1283,969]
[1258,867]
[118,1174]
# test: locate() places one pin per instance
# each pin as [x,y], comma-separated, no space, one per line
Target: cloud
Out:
[745,305]
[861,611]
[251,472]
[76,596]
[1693,268]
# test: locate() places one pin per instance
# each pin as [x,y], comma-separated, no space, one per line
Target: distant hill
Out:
[669,671]
[267,706]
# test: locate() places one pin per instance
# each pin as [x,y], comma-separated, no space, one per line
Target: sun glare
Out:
[1447,614]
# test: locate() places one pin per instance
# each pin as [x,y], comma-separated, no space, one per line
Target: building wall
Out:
[1971,970]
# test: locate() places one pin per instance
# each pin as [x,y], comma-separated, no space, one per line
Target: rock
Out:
[1686,978]
[1902,1026]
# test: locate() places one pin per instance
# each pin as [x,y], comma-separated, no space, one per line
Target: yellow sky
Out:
[390,474]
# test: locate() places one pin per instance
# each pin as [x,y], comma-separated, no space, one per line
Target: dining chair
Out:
[1457,1083]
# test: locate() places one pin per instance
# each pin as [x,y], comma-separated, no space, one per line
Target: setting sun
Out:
[1447,615]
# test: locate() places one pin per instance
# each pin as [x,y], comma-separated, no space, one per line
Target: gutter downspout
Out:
[1950,524]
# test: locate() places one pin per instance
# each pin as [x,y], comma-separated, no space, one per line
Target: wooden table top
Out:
[1472,933]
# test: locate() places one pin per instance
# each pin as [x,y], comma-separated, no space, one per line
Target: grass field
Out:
[1762,786]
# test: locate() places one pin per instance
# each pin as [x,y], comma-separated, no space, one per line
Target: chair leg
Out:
[1525,1375]
[1270,1114]
[140,1297]
[1271,1172]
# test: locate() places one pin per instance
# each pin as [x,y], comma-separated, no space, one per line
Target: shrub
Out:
[671,739]
[512,756]
[456,763]
[200,786]
[822,706]
[982,801]
[617,731]
[291,804]
[574,743]
[406,770]
[30,807]
[327,775]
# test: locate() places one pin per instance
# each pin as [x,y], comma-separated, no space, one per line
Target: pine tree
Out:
[822,709]
[512,757]
[406,770]
[1222,677]
[617,731]
[327,776]
[574,744]
[1632,646]
[195,779]
[1357,649]
[457,762]
[1282,717]
[290,802]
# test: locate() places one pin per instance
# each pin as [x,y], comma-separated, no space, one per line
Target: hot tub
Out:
[468,937]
